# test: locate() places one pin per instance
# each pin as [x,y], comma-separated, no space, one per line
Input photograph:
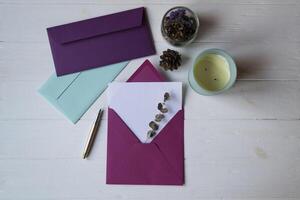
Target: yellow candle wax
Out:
[212,72]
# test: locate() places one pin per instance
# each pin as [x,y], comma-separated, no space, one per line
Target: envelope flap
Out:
[55,86]
[97,26]
[146,73]
[73,94]
[118,127]
[160,162]
[171,141]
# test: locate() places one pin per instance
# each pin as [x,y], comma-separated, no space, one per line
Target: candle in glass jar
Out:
[213,72]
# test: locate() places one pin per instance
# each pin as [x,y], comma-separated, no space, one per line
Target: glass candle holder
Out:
[180,26]
[213,72]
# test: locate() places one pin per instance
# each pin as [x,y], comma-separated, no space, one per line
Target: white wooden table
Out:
[242,144]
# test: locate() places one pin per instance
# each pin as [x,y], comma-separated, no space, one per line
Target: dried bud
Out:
[166,96]
[153,125]
[159,117]
[151,134]
[162,108]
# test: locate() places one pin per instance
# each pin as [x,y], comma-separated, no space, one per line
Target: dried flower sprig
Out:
[154,125]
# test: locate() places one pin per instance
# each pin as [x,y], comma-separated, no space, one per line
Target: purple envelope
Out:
[100,41]
[160,162]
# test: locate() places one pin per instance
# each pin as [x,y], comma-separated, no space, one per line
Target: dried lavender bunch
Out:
[170,60]
[180,27]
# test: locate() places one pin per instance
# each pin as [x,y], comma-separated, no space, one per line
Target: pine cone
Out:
[170,60]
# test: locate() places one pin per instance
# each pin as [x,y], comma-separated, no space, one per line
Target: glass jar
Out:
[217,70]
[180,26]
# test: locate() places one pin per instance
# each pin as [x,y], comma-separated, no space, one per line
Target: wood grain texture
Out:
[218,155]
[242,144]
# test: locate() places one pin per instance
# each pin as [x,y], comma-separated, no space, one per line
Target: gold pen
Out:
[92,136]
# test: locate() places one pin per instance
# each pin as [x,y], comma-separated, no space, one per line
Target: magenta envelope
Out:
[100,41]
[160,162]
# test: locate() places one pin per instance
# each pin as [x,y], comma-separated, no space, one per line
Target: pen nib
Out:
[84,156]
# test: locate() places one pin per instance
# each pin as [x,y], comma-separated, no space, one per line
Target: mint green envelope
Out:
[73,94]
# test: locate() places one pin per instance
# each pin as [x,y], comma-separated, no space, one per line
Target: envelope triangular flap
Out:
[146,73]
[55,86]
[160,162]
[73,94]
[97,26]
